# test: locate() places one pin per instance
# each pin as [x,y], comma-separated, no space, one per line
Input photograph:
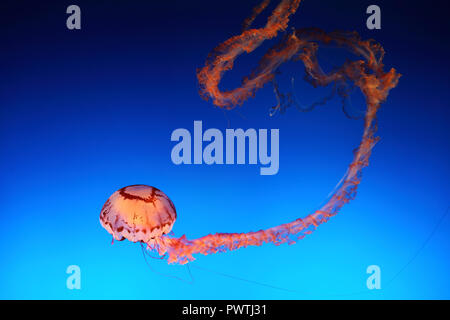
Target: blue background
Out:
[84,113]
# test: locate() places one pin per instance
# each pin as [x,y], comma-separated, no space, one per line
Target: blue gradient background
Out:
[83,113]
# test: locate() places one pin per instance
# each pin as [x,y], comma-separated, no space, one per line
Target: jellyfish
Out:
[145,214]
[138,213]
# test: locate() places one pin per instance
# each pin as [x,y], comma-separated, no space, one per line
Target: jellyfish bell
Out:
[138,213]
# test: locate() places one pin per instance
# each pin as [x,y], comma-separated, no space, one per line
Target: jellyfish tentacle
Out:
[367,74]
